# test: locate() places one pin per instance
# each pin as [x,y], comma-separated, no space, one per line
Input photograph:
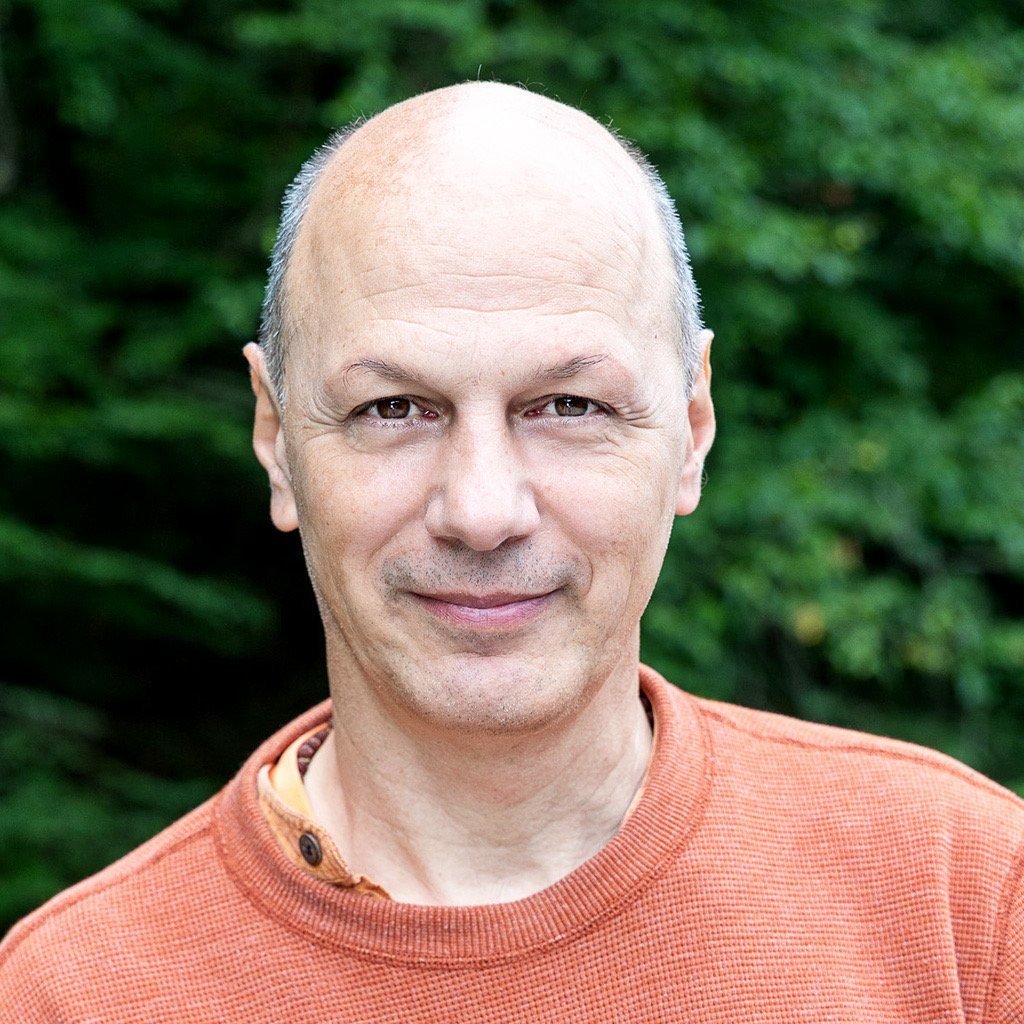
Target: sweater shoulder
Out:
[854,759]
[103,899]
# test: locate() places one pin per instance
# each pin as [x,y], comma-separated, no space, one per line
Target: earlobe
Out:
[268,442]
[701,416]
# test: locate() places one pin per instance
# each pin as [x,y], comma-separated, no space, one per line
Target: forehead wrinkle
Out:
[418,324]
[334,273]
[544,294]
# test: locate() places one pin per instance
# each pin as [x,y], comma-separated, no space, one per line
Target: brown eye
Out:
[571,405]
[393,408]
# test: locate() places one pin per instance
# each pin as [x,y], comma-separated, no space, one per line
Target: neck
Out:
[454,820]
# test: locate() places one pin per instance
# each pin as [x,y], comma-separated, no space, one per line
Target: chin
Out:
[495,696]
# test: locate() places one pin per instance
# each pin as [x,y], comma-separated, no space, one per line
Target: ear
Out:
[701,414]
[268,441]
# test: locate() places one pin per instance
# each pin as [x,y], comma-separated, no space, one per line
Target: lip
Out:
[497,610]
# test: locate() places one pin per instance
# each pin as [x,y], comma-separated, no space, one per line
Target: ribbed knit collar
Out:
[669,810]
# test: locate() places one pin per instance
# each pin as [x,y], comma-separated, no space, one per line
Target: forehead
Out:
[482,227]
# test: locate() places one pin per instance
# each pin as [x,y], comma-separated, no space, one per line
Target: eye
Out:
[567,406]
[391,408]
[394,407]
[571,405]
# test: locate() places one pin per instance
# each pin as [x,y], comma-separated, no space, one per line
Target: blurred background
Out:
[851,178]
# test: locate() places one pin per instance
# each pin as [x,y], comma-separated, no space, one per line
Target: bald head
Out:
[518,184]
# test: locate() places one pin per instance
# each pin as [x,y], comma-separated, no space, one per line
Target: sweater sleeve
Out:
[1006,1001]
[26,990]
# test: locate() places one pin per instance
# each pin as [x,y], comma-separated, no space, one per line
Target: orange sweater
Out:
[772,871]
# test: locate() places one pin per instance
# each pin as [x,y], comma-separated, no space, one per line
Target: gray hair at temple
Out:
[273,331]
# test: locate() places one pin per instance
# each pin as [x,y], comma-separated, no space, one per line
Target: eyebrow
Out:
[563,371]
[382,369]
[396,374]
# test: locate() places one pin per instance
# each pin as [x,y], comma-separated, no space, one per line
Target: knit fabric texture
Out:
[772,871]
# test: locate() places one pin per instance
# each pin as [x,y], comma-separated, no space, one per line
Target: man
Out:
[482,394]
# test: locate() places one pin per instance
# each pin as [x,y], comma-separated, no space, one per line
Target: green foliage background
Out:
[851,175]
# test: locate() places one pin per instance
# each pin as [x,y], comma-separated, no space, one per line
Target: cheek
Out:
[618,514]
[351,507]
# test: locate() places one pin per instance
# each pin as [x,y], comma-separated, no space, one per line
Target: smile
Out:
[485,611]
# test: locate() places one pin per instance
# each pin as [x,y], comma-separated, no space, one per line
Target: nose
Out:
[482,496]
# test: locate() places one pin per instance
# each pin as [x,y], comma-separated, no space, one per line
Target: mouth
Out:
[498,610]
